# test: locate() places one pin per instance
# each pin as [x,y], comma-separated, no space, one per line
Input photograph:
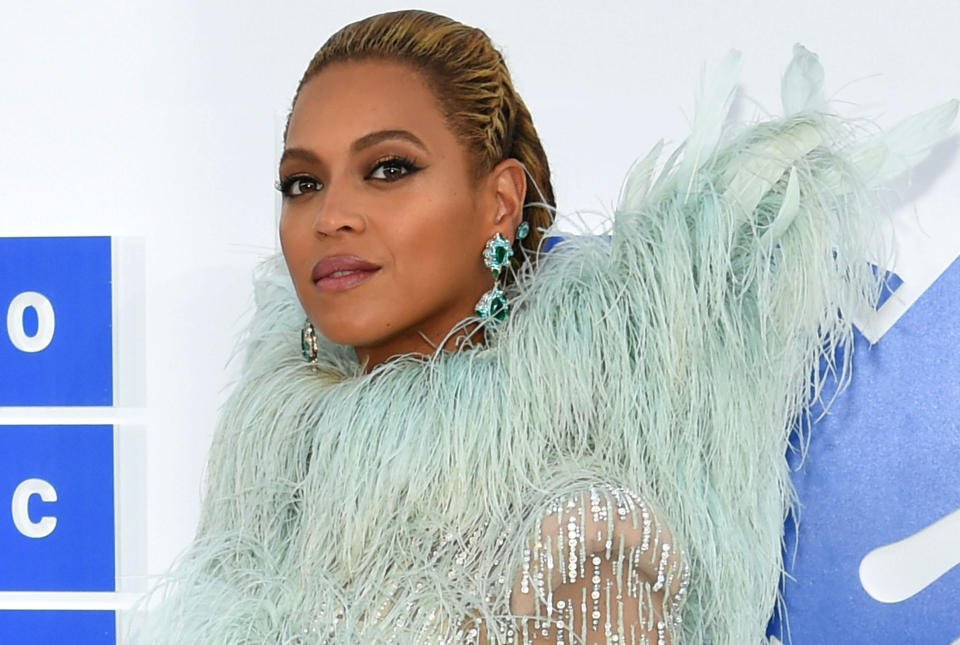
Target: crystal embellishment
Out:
[308,342]
[497,254]
[523,230]
[493,305]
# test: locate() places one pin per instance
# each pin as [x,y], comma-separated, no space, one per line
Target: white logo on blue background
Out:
[879,536]
[58,531]
[56,346]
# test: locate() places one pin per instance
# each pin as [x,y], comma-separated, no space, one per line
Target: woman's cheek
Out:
[295,245]
[287,240]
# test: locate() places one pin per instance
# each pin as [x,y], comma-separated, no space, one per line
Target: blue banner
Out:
[57,483]
[875,557]
[56,342]
[51,627]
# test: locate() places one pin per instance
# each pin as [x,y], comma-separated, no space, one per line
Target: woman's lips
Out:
[340,272]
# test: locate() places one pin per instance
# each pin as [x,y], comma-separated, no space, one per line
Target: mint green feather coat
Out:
[672,360]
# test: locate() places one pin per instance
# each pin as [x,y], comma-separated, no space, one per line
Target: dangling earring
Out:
[496,255]
[308,343]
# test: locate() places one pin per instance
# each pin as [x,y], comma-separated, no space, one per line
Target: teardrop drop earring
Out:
[308,343]
[496,255]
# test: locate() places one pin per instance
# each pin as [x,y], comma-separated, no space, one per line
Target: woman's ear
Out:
[508,180]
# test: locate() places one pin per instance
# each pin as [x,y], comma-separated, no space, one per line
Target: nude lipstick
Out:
[341,272]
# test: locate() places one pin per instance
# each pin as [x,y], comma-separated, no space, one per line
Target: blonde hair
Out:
[471,82]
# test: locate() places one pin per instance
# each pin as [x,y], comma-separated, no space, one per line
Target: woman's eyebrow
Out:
[298,153]
[382,135]
[362,143]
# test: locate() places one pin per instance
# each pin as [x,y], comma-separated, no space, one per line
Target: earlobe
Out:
[510,183]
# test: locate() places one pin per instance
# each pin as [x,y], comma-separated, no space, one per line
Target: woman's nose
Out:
[339,211]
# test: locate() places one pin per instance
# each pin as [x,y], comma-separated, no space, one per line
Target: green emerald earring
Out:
[496,255]
[523,230]
[493,305]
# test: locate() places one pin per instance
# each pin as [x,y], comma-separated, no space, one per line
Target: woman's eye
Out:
[392,169]
[293,186]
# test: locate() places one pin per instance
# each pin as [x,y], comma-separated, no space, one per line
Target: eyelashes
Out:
[388,169]
[294,185]
[393,168]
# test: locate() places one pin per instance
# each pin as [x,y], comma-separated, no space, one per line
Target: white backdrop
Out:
[159,121]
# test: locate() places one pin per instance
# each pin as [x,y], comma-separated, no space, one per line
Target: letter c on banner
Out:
[21,517]
[45,322]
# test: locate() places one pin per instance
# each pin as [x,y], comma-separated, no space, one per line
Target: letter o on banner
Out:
[21,516]
[45,321]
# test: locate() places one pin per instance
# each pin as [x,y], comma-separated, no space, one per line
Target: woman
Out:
[488,443]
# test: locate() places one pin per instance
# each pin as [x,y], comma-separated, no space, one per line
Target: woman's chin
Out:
[350,334]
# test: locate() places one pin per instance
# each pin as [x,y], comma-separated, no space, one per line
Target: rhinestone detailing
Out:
[308,342]
[497,254]
[601,567]
[523,230]
[493,305]
[601,570]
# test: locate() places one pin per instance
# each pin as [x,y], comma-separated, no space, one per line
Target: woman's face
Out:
[383,222]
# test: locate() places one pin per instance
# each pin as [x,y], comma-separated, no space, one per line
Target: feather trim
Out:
[673,360]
